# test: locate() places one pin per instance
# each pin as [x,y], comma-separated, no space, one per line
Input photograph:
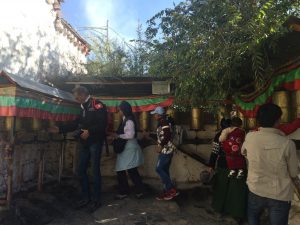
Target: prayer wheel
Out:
[116,120]
[36,124]
[196,119]
[51,123]
[144,121]
[295,103]
[251,123]
[153,123]
[242,117]
[282,99]
[9,123]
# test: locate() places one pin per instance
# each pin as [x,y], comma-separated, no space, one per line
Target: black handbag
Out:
[119,145]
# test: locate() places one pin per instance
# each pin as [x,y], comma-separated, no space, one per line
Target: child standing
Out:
[232,139]
[165,149]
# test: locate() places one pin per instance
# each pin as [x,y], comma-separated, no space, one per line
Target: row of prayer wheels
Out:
[289,102]
[24,123]
[145,120]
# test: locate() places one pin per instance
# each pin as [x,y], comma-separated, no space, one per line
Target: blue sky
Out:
[123,15]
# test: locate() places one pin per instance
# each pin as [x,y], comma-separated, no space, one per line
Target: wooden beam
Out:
[108,82]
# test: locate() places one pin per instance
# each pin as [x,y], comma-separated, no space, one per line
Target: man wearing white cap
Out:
[166,149]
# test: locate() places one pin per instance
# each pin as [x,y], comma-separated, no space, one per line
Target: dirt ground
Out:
[56,206]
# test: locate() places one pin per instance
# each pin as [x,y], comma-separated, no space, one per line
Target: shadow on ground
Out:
[56,206]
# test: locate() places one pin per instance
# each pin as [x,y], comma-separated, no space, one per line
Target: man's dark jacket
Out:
[93,117]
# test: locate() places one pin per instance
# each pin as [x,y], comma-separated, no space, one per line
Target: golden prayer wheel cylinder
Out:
[51,123]
[282,99]
[116,120]
[153,123]
[144,121]
[19,124]
[9,123]
[36,124]
[196,119]
[295,103]
[251,123]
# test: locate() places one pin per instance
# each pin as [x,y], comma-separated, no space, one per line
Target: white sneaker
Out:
[240,174]
[231,173]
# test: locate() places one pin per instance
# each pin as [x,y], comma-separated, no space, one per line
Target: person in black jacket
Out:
[218,155]
[90,129]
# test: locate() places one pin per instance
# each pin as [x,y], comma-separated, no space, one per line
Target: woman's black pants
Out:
[123,181]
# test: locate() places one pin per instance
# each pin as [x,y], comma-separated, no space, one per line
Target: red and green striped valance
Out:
[139,104]
[58,111]
[249,104]
[40,109]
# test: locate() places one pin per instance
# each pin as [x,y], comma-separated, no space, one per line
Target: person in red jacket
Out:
[232,139]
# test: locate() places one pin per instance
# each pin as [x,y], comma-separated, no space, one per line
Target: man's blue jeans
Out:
[90,152]
[162,168]
[278,210]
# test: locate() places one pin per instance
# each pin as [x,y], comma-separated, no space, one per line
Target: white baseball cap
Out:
[158,110]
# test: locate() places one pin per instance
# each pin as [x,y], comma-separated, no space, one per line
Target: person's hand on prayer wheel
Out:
[53,129]
[85,134]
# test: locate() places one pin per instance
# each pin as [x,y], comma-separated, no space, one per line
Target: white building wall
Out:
[30,45]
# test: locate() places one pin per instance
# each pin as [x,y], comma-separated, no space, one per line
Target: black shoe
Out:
[94,206]
[82,203]
[121,196]
[139,195]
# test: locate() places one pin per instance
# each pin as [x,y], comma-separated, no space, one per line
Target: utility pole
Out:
[107,38]
[107,31]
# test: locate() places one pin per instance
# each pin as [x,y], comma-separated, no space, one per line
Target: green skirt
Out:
[229,194]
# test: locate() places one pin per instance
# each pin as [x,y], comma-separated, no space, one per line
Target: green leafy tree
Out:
[205,45]
[112,57]
[108,57]
[138,55]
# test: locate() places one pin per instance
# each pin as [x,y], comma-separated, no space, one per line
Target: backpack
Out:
[232,145]
[176,131]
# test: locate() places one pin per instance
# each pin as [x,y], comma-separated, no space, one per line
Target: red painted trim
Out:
[144,108]
[292,86]
[35,113]
[251,113]
[131,98]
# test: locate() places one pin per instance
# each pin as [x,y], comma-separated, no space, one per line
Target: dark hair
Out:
[126,108]
[225,123]
[268,114]
[236,122]
[82,91]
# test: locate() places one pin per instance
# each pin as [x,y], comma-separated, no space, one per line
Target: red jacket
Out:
[232,146]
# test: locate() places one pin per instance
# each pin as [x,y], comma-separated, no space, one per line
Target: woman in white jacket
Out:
[131,157]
